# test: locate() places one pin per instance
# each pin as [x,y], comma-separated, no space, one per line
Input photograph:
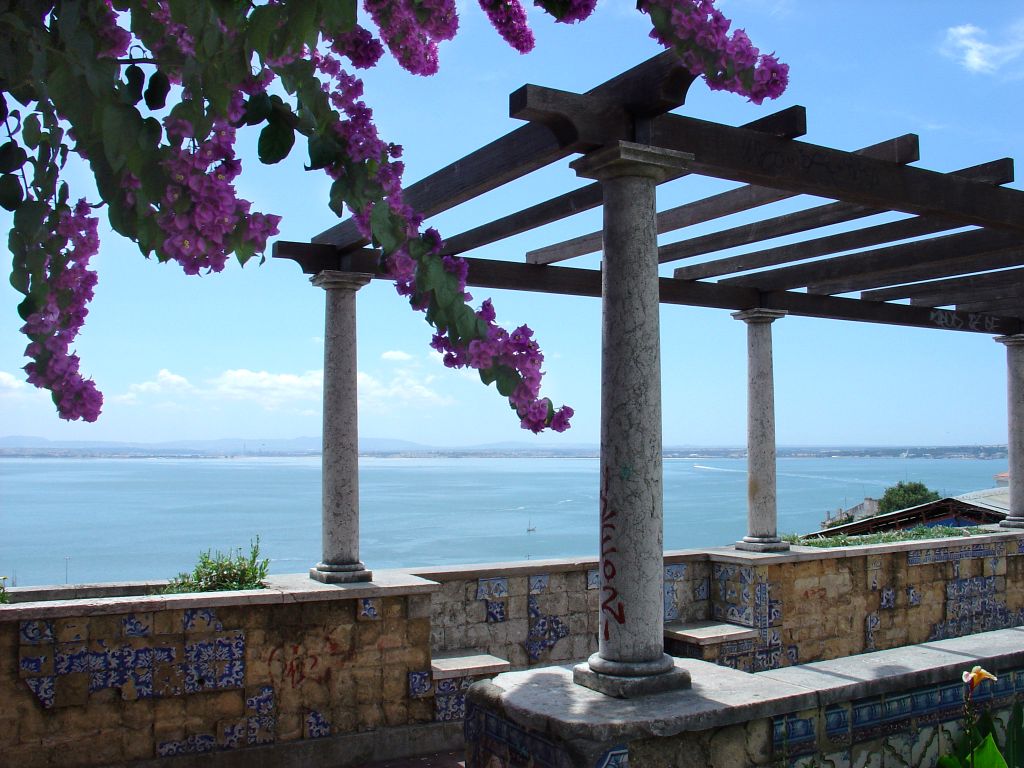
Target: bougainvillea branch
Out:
[152,93]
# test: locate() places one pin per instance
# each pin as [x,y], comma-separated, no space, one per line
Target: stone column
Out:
[1015,418]
[762,534]
[631,660]
[340,472]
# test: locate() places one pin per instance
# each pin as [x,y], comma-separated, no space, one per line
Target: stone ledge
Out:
[546,700]
[469,663]
[528,567]
[911,666]
[281,590]
[708,632]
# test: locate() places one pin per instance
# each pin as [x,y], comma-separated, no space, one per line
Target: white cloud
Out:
[396,355]
[271,390]
[10,385]
[403,390]
[967,44]
[164,383]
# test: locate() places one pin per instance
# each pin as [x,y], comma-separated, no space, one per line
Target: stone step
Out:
[703,633]
[466,663]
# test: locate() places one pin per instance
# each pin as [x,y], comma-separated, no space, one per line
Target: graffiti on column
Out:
[611,605]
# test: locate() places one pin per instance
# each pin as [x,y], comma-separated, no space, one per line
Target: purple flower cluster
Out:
[200,211]
[176,34]
[54,327]
[359,46]
[509,18]
[113,40]
[412,30]
[700,34]
[517,351]
[579,10]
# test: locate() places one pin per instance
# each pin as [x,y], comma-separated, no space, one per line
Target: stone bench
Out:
[451,674]
[704,639]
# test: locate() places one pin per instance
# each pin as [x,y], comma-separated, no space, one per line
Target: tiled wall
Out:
[547,616]
[94,690]
[909,728]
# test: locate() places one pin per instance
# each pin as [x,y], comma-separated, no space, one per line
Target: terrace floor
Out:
[440,760]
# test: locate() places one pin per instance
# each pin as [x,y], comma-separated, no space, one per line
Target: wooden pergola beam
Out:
[796,166]
[486,273]
[1012,307]
[787,123]
[938,287]
[902,149]
[969,295]
[655,86]
[995,172]
[877,262]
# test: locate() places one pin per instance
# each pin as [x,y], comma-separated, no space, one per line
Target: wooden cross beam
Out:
[753,158]
[485,273]
[940,287]
[903,149]
[996,172]
[859,270]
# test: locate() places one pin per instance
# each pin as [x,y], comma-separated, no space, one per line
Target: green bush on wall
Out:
[218,572]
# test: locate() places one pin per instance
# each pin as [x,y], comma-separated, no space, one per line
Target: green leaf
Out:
[135,78]
[28,219]
[257,109]
[949,761]
[387,228]
[986,755]
[11,193]
[339,194]
[338,16]
[323,152]
[12,157]
[150,135]
[157,90]
[507,380]
[31,131]
[276,141]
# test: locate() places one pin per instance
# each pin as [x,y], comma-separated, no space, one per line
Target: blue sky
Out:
[239,354]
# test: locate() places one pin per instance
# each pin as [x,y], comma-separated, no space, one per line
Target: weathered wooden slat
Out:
[484,273]
[655,86]
[753,158]
[928,270]
[995,172]
[934,288]
[848,270]
[969,295]
[903,149]
[1013,307]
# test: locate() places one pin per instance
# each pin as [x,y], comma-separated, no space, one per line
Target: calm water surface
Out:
[111,519]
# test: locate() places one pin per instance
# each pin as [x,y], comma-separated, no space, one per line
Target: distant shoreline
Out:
[993,452]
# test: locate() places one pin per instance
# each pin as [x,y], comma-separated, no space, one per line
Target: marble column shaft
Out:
[1015,426]
[631,627]
[340,472]
[762,513]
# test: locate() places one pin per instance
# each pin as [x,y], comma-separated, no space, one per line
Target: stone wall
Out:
[120,679]
[901,707]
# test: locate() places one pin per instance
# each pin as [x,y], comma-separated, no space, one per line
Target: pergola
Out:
[957,256]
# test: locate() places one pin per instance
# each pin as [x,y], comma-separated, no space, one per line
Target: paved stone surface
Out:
[440,760]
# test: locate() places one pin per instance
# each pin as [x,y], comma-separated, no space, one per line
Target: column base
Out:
[630,686]
[766,544]
[1012,522]
[340,574]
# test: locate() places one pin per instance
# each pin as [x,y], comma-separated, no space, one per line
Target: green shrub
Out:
[883,537]
[4,597]
[219,571]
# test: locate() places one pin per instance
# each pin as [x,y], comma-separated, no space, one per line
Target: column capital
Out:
[334,279]
[625,158]
[759,315]
[1011,341]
